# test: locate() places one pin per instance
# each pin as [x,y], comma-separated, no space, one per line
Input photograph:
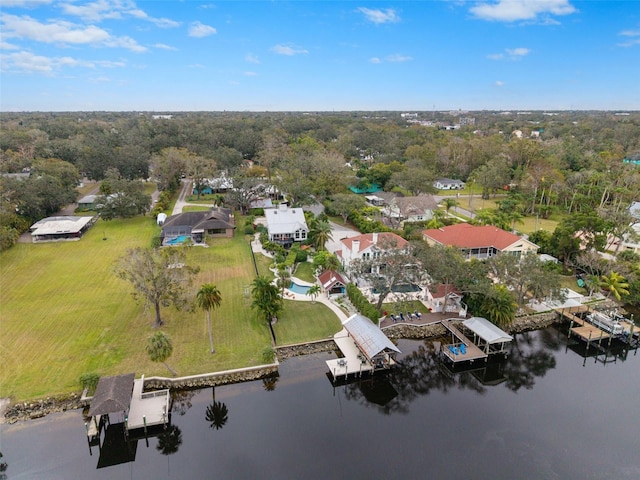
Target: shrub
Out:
[361,303]
[248,229]
[89,381]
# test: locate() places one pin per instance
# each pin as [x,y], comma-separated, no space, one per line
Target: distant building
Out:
[368,246]
[448,184]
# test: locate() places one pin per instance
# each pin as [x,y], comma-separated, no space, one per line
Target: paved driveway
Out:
[338,232]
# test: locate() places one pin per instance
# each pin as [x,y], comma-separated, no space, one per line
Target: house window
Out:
[366,256]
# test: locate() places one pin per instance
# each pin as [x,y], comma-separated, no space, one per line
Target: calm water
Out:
[548,413]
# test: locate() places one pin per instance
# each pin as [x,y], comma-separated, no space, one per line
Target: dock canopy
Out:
[113,394]
[487,331]
[368,337]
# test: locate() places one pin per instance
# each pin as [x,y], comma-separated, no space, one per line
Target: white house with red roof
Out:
[368,246]
[479,241]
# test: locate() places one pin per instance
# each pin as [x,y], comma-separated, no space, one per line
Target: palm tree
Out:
[313,292]
[160,348]
[267,300]
[616,284]
[499,306]
[217,415]
[449,203]
[320,234]
[209,298]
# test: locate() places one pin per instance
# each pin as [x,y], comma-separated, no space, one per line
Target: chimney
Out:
[375,238]
[282,206]
[355,246]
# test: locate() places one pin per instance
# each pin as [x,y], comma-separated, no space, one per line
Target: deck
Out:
[147,409]
[353,362]
[472,351]
[591,333]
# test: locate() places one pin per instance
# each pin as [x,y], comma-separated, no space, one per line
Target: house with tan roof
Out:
[479,241]
[368,246]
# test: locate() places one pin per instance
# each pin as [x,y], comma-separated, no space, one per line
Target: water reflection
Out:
[217,415]
[169,440]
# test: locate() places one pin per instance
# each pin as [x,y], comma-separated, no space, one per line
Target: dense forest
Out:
[582,168]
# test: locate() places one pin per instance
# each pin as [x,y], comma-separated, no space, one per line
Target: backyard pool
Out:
[301,289]
[178,240]
[402,288]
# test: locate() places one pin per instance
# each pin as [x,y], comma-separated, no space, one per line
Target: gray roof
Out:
[213,219]
[369,338]
[88,199]
[487,330]
[113,394]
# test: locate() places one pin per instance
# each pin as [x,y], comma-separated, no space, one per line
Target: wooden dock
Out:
[593,334]
[472,352]
[353,362]
[147,408]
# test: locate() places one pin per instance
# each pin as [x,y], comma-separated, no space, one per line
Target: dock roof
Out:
[113,394]
[487,330]
[369,338]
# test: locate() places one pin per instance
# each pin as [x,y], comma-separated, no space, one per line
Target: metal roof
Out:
[487,330]
[56,225]
[369,338]
[113,394]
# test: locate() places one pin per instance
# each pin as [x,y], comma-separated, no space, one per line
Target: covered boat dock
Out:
[365,348]
[487,340]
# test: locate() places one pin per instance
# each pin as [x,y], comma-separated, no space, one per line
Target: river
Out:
[549,412]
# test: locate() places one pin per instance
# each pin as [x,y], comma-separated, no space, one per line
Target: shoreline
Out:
[30,410]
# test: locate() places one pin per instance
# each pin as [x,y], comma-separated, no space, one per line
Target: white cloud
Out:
[288,50]
[8,46]
[28,62]
[200,30]
[632,35]
[398,58]
[395,58]
[63,33]
[113,9]
[196,65]
[251,58]
[512,54]
[499,83]
[379,16]
[163,46]
[515,10]
[250,74]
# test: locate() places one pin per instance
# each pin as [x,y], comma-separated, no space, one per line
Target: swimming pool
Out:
[178,240]
[402,288]
[301,289]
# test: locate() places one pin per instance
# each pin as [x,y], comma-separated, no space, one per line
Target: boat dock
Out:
[487,340]
[352,362]
[455,351]
[592,332]
[147,409]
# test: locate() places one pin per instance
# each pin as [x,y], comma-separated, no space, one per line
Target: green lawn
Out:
[304,271]
[64,313]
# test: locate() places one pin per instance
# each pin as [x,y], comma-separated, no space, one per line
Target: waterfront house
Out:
[479,241]
[333,283]
[368,246]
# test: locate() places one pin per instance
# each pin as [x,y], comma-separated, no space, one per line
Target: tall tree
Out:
[209,298]
[159,277]
[320,234]
[344,204]
[267,301]
[313,292]
[499,306]
[159,348]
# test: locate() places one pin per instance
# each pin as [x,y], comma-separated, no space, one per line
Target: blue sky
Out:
[123,55]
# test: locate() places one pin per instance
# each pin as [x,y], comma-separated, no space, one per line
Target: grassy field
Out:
[64,313]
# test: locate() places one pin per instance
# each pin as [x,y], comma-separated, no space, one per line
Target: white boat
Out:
[607,323]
